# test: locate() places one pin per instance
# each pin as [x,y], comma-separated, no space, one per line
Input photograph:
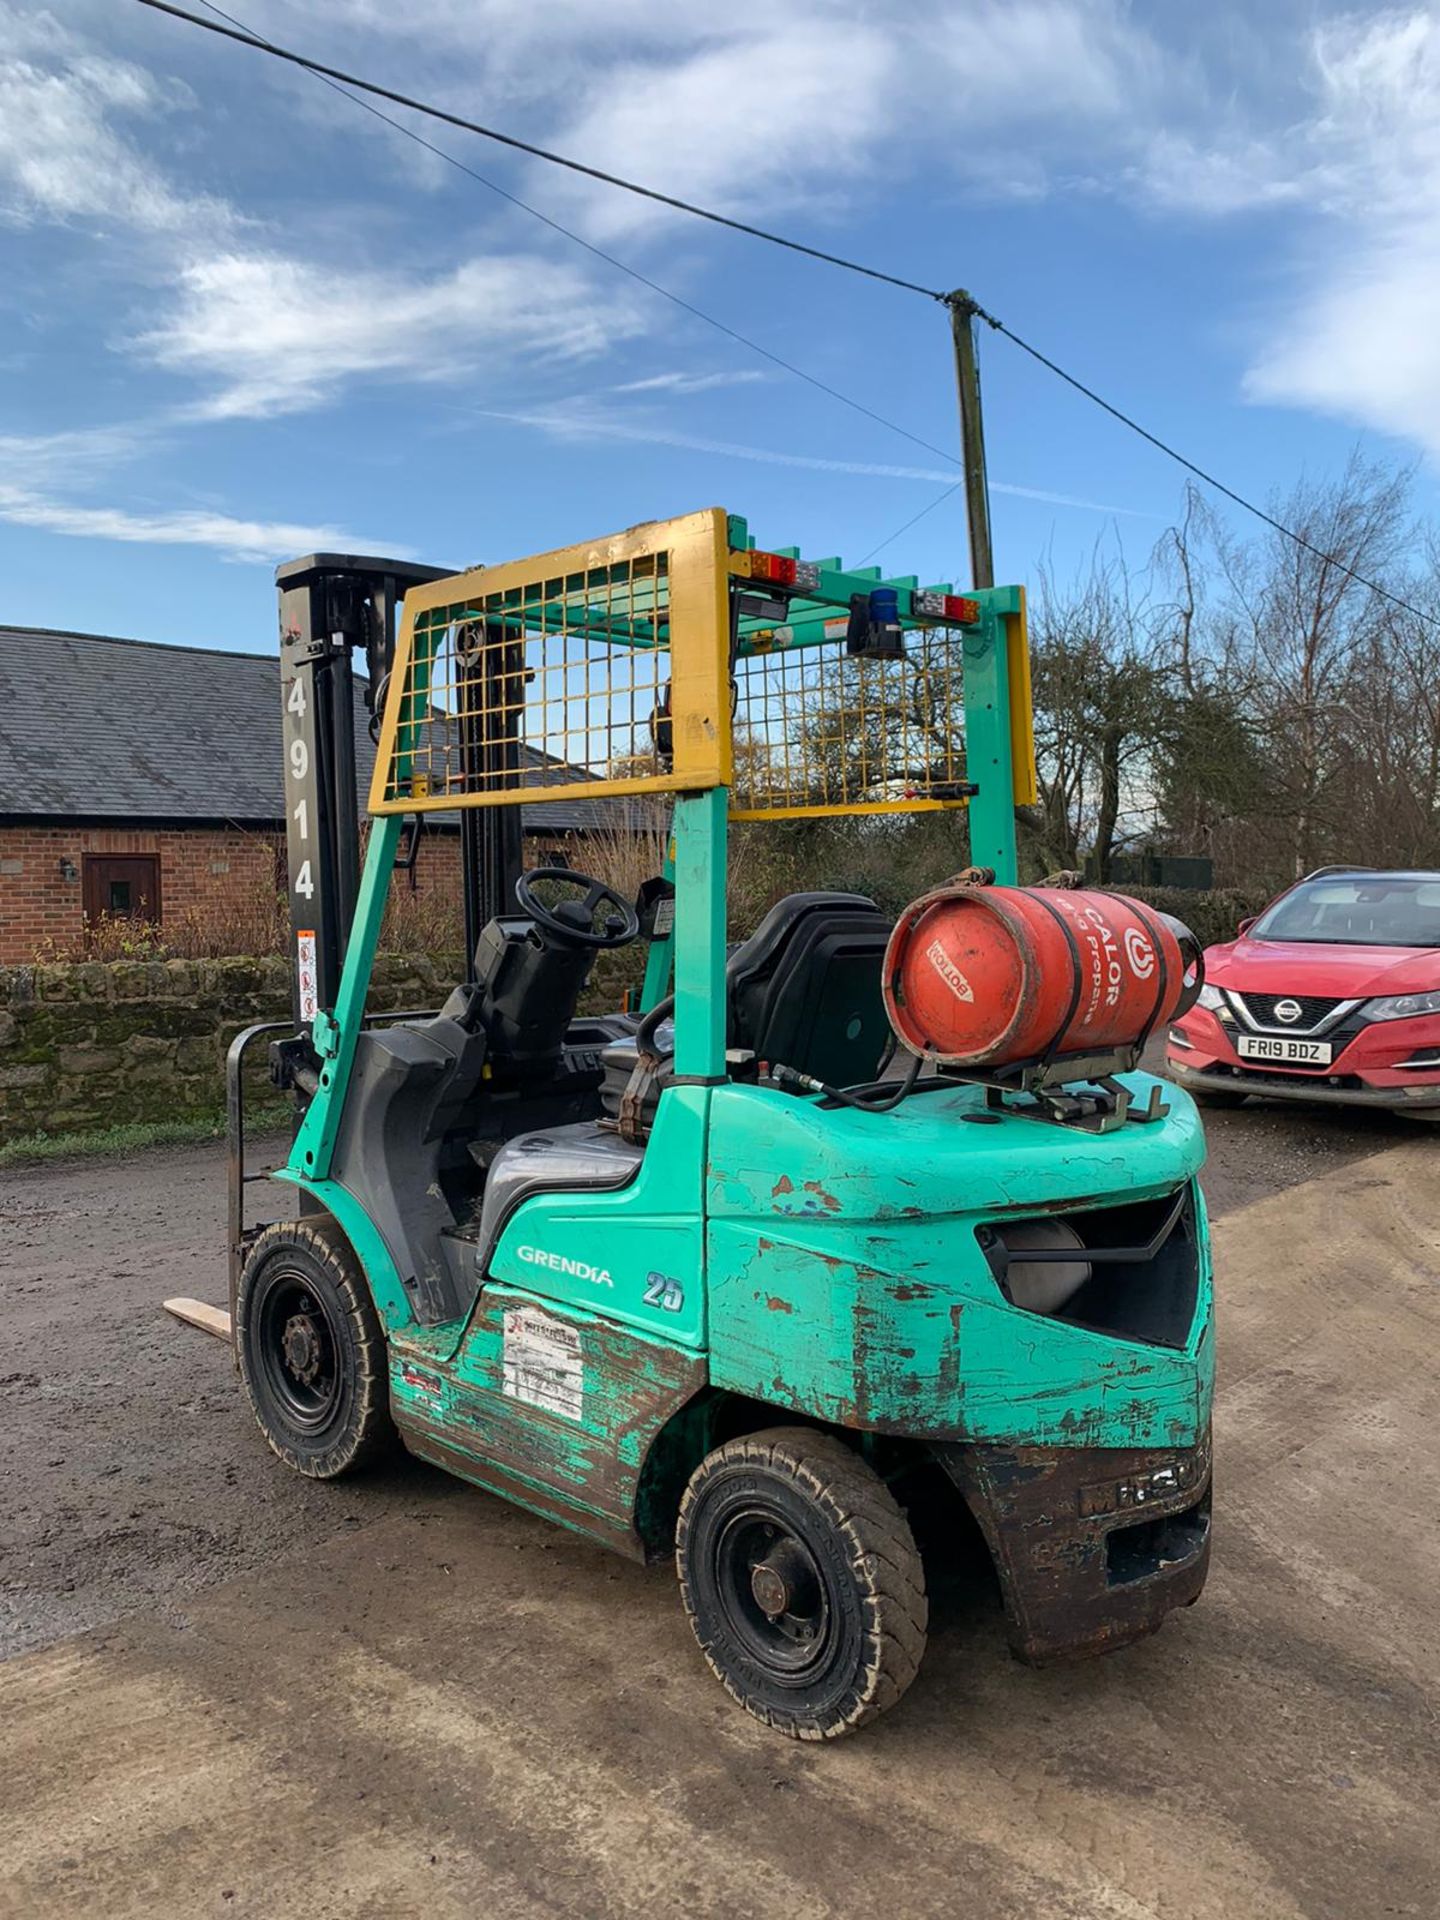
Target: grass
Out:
[30,1149]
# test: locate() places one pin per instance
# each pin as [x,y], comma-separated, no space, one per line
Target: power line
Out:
[914,520]
[1199,472]
[245,38]
[732,333]
[341,81]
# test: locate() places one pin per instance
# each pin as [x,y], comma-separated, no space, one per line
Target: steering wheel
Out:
[574,920]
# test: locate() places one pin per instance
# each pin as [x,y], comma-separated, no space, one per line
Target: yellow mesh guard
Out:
[562,662]
[818,732]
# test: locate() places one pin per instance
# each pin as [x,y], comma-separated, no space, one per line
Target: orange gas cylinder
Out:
[990,977]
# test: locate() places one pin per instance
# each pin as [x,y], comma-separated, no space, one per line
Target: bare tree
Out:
[1100,711]
[1311,620]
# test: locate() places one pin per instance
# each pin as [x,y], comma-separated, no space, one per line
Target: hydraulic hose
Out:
[875,1099]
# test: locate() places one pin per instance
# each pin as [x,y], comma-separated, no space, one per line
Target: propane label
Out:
[305,974]
[949,972]
[1097,938]
[543,1364]
[1109,955]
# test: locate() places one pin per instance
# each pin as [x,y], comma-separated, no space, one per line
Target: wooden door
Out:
[122,887]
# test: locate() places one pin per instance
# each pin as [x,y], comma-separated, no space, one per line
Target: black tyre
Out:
[1217,1097]
[311,1351]
[802,1581]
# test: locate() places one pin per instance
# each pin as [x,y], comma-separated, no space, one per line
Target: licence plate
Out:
[1295,1053]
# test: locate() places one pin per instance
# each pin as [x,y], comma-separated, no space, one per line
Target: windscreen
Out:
[1358,910]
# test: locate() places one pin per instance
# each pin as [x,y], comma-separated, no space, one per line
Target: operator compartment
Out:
[452,1120]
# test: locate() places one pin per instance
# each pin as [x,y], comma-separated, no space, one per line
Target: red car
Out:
[1332,994]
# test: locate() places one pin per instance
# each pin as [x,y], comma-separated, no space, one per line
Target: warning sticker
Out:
[308,979]
[543,1364]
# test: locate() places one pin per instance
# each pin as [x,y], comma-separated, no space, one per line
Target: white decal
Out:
[305,971]
[558,1263]
[543,1363]
[949,972]
[1103,953]
[1140,953]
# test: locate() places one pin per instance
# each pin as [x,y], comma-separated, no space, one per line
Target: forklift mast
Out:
[332,605]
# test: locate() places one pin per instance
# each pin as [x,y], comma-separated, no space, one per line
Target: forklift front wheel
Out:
[312,1353]
[802,1581]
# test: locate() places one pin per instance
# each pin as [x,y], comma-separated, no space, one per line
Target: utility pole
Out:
[972,438]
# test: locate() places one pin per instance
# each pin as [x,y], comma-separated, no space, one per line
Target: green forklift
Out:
[730,1276]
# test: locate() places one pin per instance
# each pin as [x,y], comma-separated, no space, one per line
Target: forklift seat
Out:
[802,991]
[552,1159]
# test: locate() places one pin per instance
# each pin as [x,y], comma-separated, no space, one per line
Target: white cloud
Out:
[787,115]
[77,457]
[801,108]
[264,541]
[261,329]
[1359,333]
[817,103]
[61,156]
[38,472]
[681,383]
[271,334]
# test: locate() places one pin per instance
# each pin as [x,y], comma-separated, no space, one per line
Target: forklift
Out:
[731,1276]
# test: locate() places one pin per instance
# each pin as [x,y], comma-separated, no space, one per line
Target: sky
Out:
[241,320]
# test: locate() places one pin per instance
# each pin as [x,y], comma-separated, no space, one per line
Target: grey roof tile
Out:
[97,727]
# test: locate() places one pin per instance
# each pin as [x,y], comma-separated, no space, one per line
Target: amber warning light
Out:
[958,609]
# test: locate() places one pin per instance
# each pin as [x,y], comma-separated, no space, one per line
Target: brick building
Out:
[146,781]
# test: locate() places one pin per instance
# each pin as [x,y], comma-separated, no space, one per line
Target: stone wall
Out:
[94,1044]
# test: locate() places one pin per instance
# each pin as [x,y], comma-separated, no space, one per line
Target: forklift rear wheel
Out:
[312,1353]
[802,1581]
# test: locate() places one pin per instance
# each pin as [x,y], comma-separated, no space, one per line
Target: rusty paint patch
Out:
[782,1186]
[949,1370]
[1048,1513]
[776,1305]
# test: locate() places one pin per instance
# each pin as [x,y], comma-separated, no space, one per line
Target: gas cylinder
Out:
[990,977]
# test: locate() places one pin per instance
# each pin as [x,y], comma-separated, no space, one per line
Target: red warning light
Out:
[774,567]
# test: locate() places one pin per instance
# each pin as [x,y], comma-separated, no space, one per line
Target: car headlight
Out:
[1210,998]
[1402,1006]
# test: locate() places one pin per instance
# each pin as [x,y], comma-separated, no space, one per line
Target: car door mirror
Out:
[1245,926]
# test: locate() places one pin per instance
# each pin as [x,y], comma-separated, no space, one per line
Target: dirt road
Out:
[402,1697]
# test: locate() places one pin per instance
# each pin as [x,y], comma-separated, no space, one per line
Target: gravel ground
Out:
[400,1697]
[133,1475]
